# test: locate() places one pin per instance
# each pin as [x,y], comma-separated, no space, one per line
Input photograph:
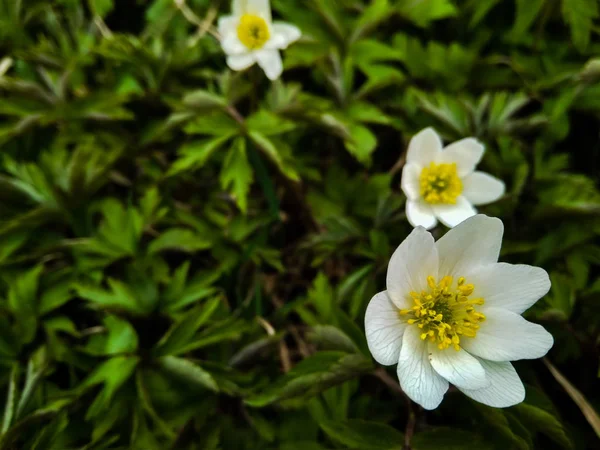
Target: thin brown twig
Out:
[302,346]
[398,165]
[191,17]
[410,425]
[388,381]
[412,415]
[284,356]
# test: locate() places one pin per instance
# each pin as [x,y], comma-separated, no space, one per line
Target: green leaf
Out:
[55,296]
[113,373]
[328,337]
[269,124]
[538,420]
[214,124]
[423,12]
[374,13]
[181,239]
[361,144]
[580,15]
[499,427]
[236,174]
[269,149]
[312,376]
[188,372]
[122,337]
[195,154]
[11,399]
[449,439]
[364,435]
[180,335]
[321,295]
[120,297]
[202,101]
[527,12]
[101,7]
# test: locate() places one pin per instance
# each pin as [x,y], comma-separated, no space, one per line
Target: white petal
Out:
[509,286]
[417,378]
[410,181]
[384,329]
[228,25]
[452,215]
[481,188]
[458,367]
[420,214]
[232,46]
[240,62]
[424,148]
[474,243]
[506,336]
[260,8]
[506,388]
[466,153]
[413,261]
[282,35]
[270,62]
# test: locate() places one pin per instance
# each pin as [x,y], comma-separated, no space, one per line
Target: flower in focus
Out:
[452,314]
[248,36]
[442,183]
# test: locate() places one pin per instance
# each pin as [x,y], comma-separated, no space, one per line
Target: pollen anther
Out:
[445,314]
[440,184]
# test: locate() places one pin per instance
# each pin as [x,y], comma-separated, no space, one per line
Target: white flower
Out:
[452,314]
[248,36]
[443,184]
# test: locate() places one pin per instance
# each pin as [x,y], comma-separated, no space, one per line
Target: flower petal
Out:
[260,8]
[413,261]
[270,62]
[227,25]
[424,148]
[240,62]
[458,367]
[452,215]
[506,388]
[420,214]
[232,46]
[282,35]
[466,153]
[506,336]
[384,329]
[509,286]
[417,378]
[474,243]
[410,182]
[481,188]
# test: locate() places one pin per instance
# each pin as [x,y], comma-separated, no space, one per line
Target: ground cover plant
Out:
[191,233]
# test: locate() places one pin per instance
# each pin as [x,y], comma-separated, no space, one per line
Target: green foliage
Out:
[187,253]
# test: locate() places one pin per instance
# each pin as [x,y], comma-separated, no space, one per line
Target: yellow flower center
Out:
[253,31]
[445,314]
[440,184]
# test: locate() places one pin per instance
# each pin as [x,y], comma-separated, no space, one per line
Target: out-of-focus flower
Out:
[441,183]
[452,314]
[249,36]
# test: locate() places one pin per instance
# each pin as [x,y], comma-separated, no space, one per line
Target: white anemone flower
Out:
[441,183]
[452,314]
[249,36]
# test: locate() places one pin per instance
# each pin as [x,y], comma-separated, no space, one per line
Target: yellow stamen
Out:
[440,184]
[253,31]
[445,314]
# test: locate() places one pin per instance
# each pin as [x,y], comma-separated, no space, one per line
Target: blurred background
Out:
[187,252]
